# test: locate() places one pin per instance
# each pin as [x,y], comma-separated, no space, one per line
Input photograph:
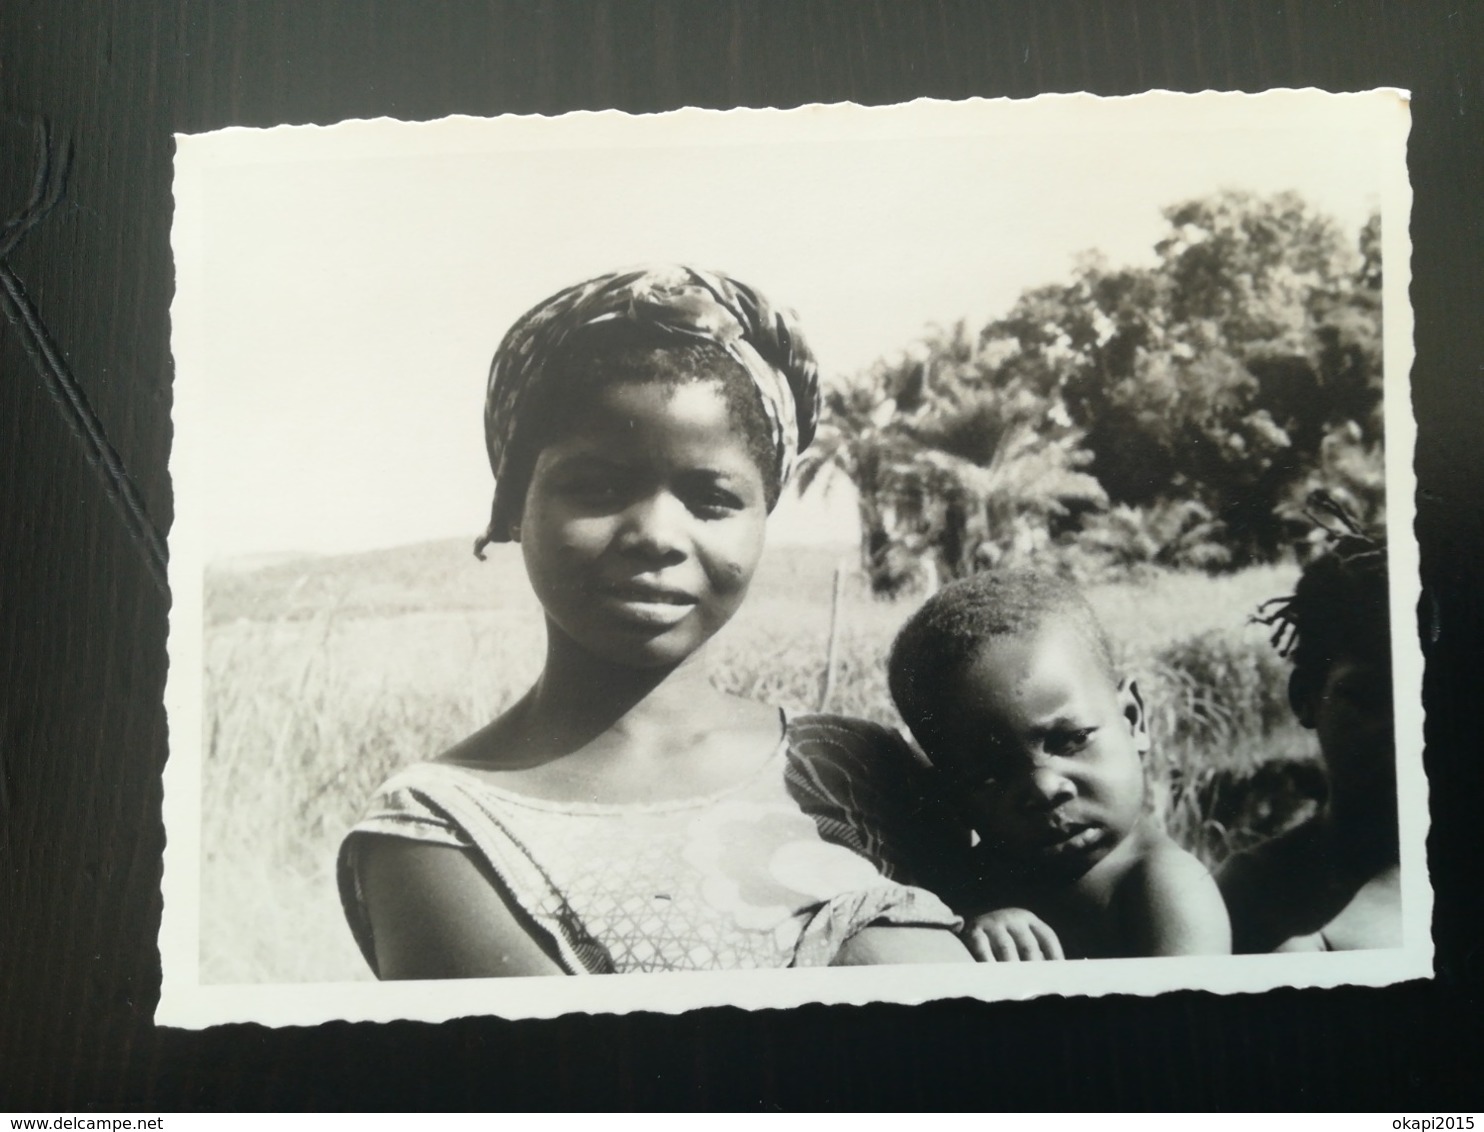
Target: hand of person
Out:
[1010,935]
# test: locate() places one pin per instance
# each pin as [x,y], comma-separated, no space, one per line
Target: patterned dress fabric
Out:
[680,301]
[778,871]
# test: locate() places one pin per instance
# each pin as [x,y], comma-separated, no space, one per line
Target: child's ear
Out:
[1131,703]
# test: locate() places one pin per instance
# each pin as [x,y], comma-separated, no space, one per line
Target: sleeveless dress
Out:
[778,871]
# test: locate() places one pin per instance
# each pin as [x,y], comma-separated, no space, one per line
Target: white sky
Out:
[341,290]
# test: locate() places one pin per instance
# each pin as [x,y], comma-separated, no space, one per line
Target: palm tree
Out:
[956,465]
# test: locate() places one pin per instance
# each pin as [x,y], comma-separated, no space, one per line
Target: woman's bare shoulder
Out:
[437,913]
[1284,862]
[1278,889]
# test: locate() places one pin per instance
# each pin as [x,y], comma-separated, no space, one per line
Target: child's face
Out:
[1046,749]
[644,522]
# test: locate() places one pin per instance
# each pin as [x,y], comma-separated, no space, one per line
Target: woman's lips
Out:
[648,604]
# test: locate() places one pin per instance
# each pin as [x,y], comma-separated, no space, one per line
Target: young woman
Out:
[625,815]
[1332,883]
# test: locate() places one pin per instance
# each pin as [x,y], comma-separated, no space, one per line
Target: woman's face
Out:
[1349,709]
[644,522]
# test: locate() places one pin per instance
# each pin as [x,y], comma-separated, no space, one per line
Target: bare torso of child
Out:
[1146,897]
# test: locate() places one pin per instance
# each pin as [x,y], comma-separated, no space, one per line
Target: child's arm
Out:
[1169,904]
[436,915]
[892,943]
[1009,935]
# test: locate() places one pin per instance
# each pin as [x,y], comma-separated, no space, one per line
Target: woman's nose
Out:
[655,525]
[1047,788]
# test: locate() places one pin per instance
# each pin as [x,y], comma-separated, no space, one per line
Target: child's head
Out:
[1006,680]
[641,426]
[1336,628]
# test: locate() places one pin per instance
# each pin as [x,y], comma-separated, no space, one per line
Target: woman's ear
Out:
[1131,703]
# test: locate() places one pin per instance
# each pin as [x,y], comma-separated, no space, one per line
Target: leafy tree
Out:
[1217,375]
[1173,415]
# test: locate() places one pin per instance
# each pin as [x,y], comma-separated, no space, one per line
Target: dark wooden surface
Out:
[82,622]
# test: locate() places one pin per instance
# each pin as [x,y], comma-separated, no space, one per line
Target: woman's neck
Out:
[1362,822]
[579,697]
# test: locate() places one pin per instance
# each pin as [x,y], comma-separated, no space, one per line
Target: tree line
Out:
[1176,415]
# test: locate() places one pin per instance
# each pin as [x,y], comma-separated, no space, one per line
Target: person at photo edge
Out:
[625,815]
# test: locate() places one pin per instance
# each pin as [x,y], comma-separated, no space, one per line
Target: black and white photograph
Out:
[741,550]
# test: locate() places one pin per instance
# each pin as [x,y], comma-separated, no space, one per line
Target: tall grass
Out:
[322,677]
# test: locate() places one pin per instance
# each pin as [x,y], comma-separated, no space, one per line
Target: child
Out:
[1006,681]
[1332,883]
[625,815]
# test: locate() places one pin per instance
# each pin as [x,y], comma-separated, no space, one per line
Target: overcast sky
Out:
[341,291]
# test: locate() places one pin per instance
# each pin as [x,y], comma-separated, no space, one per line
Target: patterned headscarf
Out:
[682,302]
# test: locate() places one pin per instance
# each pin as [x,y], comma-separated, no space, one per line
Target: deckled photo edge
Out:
[186,1002]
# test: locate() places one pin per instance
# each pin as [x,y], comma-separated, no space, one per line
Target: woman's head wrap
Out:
[674,301]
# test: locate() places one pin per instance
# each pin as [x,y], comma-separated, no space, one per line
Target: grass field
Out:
[325,674]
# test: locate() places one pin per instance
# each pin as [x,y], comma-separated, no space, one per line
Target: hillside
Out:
[442,576]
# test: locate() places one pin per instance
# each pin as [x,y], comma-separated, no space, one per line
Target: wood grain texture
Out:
[82,625]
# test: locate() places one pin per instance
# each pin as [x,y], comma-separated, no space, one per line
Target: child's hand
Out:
[1009,935]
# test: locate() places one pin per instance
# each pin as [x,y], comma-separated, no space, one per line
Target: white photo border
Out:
[186,1002]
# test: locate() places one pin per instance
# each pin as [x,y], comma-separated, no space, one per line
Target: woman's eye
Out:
[592,489]
[1363,690]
